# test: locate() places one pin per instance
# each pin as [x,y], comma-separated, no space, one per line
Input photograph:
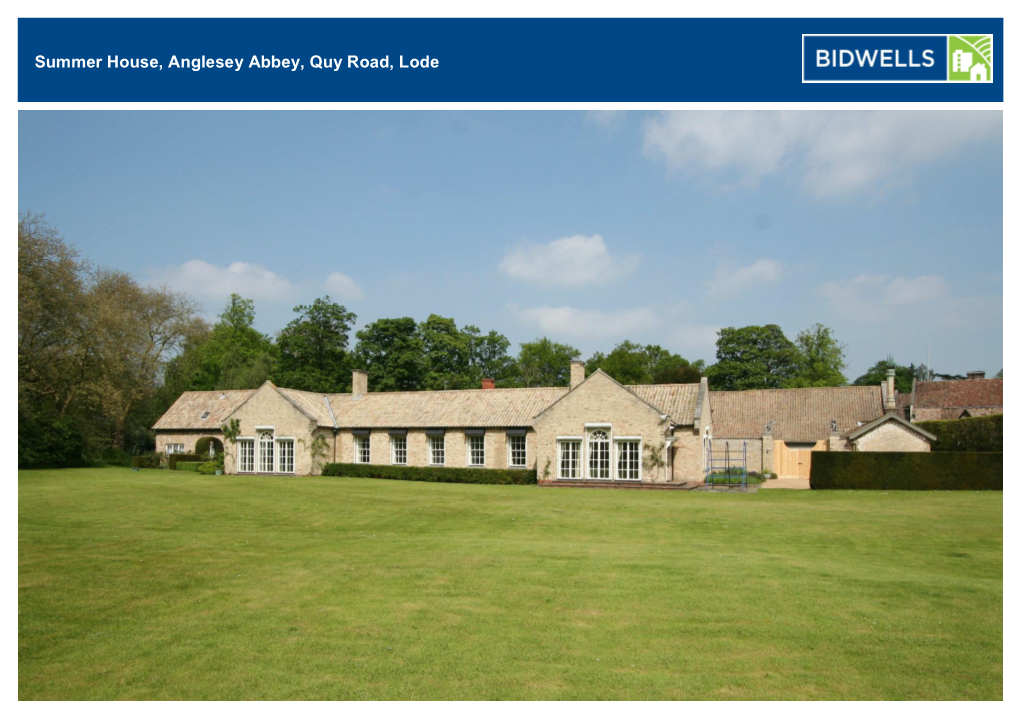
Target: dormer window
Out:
[205,415]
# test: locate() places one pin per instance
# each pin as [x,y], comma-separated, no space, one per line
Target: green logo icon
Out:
[970,58]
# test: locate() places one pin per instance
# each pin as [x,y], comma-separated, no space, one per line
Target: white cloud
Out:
[831,153]
[571,261]
[608,120]
[727,281]
[582,323]
[875,298]
[343,287]
[212,282]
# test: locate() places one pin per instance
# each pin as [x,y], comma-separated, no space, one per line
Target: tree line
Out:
[101,357]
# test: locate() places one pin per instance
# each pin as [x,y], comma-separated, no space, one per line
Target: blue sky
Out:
[588,227]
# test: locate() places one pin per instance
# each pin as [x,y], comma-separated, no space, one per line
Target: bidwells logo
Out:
[970,58]
[896,58]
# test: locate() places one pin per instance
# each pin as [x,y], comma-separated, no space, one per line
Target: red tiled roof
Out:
[978,393]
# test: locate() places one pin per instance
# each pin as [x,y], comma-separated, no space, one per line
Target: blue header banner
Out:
[510,60]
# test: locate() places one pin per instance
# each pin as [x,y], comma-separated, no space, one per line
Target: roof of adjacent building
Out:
[472,408]
[891,417]
[797,414]
[977,393]
[201,410]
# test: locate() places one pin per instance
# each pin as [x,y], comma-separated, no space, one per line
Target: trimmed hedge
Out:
[149,461]
[982,434]
[203,443]
[173,459]
[188,465]
[949,471]
[490,476]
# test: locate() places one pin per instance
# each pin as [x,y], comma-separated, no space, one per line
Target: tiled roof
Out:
[311,404]
[187,411]
[494,408]
[481,408]
[677,400]
[800,414]
[979,393]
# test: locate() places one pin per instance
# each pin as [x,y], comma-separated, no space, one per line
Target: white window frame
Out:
[579,460]
[241,443]
[616,448]
[261,443]
[470,451]
[173,449]
[510,438]
[282,441]
[590,429]
[358,450]
[393,449]
[437,444]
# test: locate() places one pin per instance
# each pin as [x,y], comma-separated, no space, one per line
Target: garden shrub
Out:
[982,434]
[150,460]
[490,476]
[116,457]
[175,458]
[948,471]
[209,468]
[189,465]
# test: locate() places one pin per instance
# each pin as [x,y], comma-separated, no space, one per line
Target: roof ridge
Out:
[456,390]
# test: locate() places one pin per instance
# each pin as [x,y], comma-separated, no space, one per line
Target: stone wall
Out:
[600,400]
[267,408]
[892,436]
[188,438]
[496,455]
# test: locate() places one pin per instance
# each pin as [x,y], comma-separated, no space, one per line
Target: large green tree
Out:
[313,348]
[232,355]
[393,353]
[876,375]
[447,354]
[543,363]
[755,356]
[632,363]
[821,361]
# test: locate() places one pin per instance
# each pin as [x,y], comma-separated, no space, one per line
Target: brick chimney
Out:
[975,375]
[488,384]
[359,383]
[576,372]
[890,390]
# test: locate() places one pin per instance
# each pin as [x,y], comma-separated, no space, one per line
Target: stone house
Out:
[595,429]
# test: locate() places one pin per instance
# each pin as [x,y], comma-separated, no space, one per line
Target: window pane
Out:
[246,453]
[570,452]
[598,455]
[362,449]
[399,450]
[476,450]
[286,453]
[628,460]
[437,450]
[518,450]
[266,460]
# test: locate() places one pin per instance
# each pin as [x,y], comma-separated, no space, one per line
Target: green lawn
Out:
[155,584]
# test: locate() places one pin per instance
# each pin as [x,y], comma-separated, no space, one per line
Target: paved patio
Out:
[793,484]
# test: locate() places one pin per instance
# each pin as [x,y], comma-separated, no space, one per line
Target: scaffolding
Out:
[725,466]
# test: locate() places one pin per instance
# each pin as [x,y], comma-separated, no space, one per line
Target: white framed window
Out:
[598,455]
[362,449]
[398,450]
[517,451]
[266,458]
[628,459]
[437,450]
[172,448]
[285,454]
[245,455]
[476,450]
[569,461]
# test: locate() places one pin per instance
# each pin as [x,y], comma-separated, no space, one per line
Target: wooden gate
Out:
[795,462]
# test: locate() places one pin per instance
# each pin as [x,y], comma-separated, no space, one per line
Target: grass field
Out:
[156,584]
